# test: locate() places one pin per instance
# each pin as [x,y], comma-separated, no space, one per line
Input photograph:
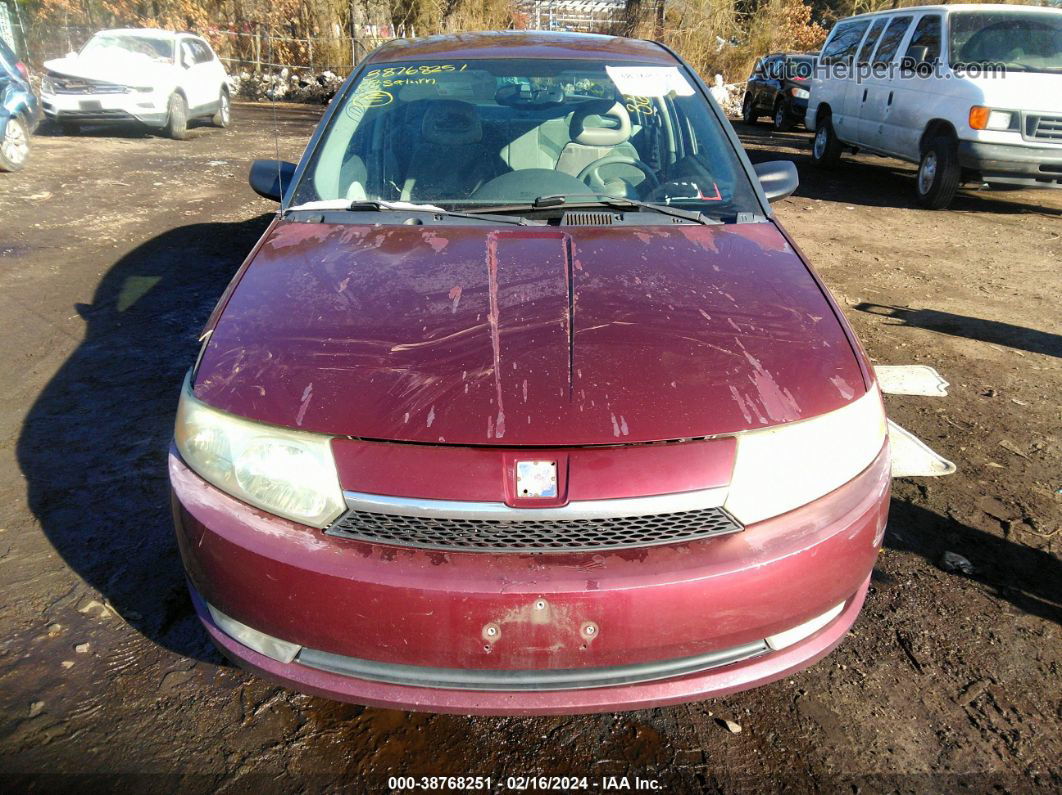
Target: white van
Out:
[969,92]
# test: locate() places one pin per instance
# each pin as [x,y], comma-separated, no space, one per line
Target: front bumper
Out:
[1013,164]
[142,107]
[422,629]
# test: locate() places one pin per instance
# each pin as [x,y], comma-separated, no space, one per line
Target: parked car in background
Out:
[525,402]
[20,111]
[161,79]
[779,87]
[980,98]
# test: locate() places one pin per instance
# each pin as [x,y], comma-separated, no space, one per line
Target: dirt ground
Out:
[114,246]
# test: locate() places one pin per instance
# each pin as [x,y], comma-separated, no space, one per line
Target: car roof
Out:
[950,9]
[154,33]
[523,44]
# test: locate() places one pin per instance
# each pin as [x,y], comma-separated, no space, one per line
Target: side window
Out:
[203,53]
[187,53]
[795,68]
[890,42]
[774,68]
[927,34]
[842,46]
[871,40]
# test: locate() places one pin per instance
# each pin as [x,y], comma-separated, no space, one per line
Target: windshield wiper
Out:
[603,200]
[620,203]
[380,205]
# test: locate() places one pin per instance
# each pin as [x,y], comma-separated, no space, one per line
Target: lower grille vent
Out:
[571,535]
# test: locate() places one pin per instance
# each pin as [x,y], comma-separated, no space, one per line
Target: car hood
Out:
[527,335]
[118,68]
[1036,92]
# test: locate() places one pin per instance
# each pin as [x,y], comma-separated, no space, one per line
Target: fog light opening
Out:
[788,637]
[273,648]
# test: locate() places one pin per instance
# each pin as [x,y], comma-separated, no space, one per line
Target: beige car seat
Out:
[597,129]
[450,161]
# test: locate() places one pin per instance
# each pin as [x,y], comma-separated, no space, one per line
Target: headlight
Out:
[781,468]
[800,93]
[46,86]
[289,473]
[982,118]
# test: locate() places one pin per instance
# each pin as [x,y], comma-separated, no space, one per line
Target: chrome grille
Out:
[1043,128]
[536,535]
[77,85]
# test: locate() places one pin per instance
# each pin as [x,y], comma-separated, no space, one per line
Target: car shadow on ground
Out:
[1027,577]
[93,446]
[873,181]
[974,328]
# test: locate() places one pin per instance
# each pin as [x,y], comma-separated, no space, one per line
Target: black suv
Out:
[779,85]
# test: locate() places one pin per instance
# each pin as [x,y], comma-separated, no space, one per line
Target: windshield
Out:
[489,133]
[1025,41]
[106,44]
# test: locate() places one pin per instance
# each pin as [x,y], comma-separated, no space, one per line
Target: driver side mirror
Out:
[778,178]
[915,55]
[270,178]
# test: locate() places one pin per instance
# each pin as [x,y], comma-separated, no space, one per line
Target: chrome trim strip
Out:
[522,679]
[581,509]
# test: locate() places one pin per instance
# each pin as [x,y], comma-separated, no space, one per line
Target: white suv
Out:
[157,77]
[969,92]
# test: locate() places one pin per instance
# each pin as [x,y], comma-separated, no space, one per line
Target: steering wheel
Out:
[591,175]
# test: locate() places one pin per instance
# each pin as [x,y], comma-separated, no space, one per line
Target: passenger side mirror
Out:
[270,178]
[917,54]
[778,178]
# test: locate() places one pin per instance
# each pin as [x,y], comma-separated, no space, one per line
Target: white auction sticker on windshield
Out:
[649,81]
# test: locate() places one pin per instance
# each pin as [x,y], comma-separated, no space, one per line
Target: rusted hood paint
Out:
[527,336]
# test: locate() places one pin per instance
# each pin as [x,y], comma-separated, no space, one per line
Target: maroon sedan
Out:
[524,402]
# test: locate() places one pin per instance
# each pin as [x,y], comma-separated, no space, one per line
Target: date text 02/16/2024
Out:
[523,783]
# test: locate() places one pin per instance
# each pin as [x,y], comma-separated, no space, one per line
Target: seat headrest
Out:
[449,121]
[588,120]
